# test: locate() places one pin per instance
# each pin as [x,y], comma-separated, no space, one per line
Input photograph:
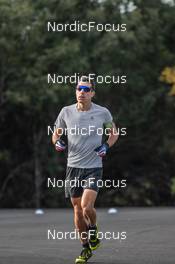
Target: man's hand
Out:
[102,150]
[60,145]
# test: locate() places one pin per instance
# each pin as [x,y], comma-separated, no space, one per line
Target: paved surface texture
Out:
[150,237]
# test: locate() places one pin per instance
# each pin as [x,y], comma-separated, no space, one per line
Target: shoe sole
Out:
[82,261]
[94,248]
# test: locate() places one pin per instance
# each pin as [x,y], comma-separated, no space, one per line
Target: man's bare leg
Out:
[81,227]
[87,204]
[80,222]
[89,212]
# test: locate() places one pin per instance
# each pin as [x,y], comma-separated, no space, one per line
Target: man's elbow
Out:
[56,135]
[53,139]
[115,137]
[114,134]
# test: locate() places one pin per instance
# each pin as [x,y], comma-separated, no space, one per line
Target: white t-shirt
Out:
[84,130]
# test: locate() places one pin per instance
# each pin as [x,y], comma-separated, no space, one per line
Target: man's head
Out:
[85,90]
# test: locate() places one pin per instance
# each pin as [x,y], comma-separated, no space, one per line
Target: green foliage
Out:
[145,157]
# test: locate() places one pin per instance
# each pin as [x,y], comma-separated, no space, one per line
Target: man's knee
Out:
[87,209]
[78,211]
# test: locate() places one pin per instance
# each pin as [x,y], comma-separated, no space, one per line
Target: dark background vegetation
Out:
[146,156]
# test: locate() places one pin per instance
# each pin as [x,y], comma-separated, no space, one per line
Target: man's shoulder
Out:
[68,107]
[100,108]
[66,110]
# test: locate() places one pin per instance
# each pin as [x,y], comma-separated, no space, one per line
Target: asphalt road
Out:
[149,237]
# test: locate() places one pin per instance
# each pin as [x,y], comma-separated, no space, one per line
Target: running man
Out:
[84,122]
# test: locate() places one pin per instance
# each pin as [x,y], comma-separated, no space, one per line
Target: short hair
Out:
[89,80]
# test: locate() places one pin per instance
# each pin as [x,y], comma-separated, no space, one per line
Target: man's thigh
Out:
[73,187]
[76,202]
[92,178]
[86,184]
[88,198]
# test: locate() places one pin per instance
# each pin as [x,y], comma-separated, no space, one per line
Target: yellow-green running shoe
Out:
[86,253]
[93,238]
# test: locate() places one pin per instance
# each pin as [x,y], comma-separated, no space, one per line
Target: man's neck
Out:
[84,106]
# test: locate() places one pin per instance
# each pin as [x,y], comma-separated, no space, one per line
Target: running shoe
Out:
[93,238]
[86,253]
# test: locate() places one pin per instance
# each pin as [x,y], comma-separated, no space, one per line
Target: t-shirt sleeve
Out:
[108,119]
[60,121]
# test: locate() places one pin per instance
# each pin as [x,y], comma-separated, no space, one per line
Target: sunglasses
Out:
[86,89]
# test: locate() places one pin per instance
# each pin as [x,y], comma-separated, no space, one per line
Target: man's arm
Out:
[111,132]
[56,135]
[113,135]
[59,144]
